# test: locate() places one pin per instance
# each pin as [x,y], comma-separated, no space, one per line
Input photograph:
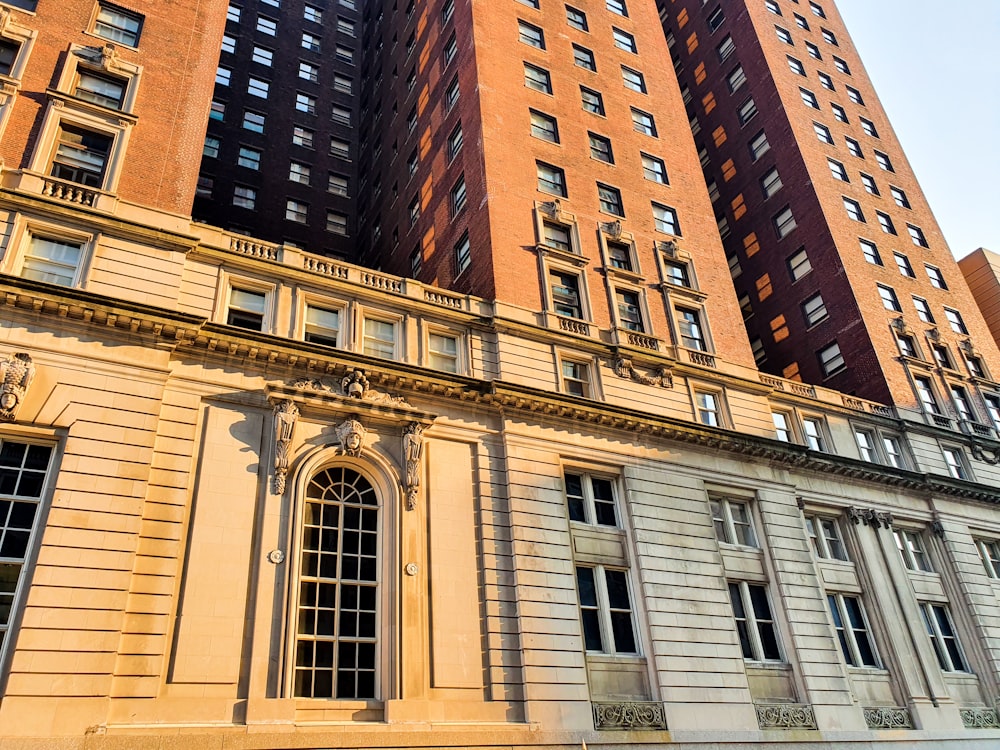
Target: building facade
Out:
[982,272]
[256,496]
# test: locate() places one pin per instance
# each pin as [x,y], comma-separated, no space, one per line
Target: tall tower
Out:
[539,154]
[280,153]
[841,270]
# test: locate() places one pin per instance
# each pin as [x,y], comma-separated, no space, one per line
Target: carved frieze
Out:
[629,715]
[979,718]
[353,385]
[868,517]
[785,716]
[888,717]
[16,374]
[624,369]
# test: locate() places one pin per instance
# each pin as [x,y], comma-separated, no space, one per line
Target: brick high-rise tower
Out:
[842,272]
[539,154]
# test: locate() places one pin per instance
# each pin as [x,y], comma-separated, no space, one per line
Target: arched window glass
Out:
[336,641]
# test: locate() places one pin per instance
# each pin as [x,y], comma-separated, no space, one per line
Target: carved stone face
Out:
[352,442]
[8,401]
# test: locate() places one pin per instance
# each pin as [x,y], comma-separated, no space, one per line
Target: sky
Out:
[936,68]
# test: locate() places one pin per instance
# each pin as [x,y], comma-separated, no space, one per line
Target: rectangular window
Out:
[955,321]
[296,211]
[458,196]
[322,325]
[633,79]
[577,19]
[690,330]
[770,183]
[795,66]
[379,338]
[782,428]
[550,179]
[783,222]
[883,161]
[556,236]
[853,147]
[746,112]
[814,310]
[455,141]
[623,40]
[52,261]
[311,13]
[617,6]
[253,121]
[81,156]
[889,299]
[801,22]
[450,95]
[853,209]
[233,13]
[643,122]
[576,382]
[798,264]
[544,126]
[707,408]
[339,148]
[336,223]
[826,82]
[941,631]
[565,290]
[205,186]
[302,137]
[600,148]
[442,349]
[665,220]
[911,549]
[606,610]
[300,173]
[839,113]
[246,309]
[653,169]
[903,264]
[584,58]
[629,310]
[853,631]
[592,101]
[823,133]
[249,158]
[869,182]
[262,55]
[117,24]
[831,361]
[885,221]
[841,65]
[267,26]
[244,197]
[530,35]
[306,103]
[989,551]
[732,520]
[620,256]
[814,432]
[754,622]
[829,37]
[463,253]
[309,72]
[809,98]
[537,78]
[813,51]
[837,170]
[954,459]
[824,535]
[726,48]
[217,111]
[259,88]
[103,90]
[784,35]
[610,199]
[591,499]
[917,236]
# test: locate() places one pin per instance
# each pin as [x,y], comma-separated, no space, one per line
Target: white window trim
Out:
[722,406]
[724,498]
[24,228]
[399,344]
[604,611]
[462,356]
[818,538]
[10,84]
[306,299]
[623,238]
[848,630]
[229,281]
[574,356]
[753,630]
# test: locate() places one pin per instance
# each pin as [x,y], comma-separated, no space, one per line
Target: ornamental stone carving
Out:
[351,434]
[16,374]
[286,414]
[874,518]
[979,718]
[785,716]
[353,385]
[413,447]
[629,715]
[888,717]
[624,369]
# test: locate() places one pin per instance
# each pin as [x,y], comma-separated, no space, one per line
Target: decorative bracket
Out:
[351,434]
[413,447]
[874,518]
[16,374]
[624,369]
[286,414]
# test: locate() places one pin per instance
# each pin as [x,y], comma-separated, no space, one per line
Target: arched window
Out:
[336,643]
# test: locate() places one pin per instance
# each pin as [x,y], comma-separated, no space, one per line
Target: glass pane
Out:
[587,587]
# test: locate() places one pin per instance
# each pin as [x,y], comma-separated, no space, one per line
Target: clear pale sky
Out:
[936,68]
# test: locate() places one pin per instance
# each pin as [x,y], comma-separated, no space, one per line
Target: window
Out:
[223,76]
[841,65]
[813,51]
[296,211]
[576,382]
[808,98]
[886,222]
[824,535]
[233,13]
[726,48]
[458,196]
[442,349]
[544,126]
[530,35]
[629,310]
[794,65]
[336,645]
[783,222]
[322,325]
[870,251]
[936,277]
[960,398]
[829,37]
[784,35]
[537,78]
[732,521]
[943,359]
[903,264]
[312,13]
[205,186]
[759,146]
[257,87]
[307,104]
[584,58]
[746,112]
[941,631]
[117,24]
[246,309]
[754,622]
[925,394]
[244,197]
[814,310]
[267,26]
[707,408]
[447,10]
[610,199]
[955,461]
[770,183]
[823,133]
[23,481]
[852,631]
[643,122]
[634,80]
[263,56]
[591,499]
[665,219]
[990,553]
[853,147]
[798,264]
[302,137]
[838,171]
[217,111]
[249,158]
[338,114]
[801,22]
[463,250]
[550,179]
[565,289]
[883,161]
[336,223]
[690,330]
[600,148]
[342,84]
[899,197]
[379,338]
[455,141]
[624,41]
[606,610]
[954,318]
[451,94]
[311,42]
[576,18]
[530,3]
[103,90]
[825,81]
[814,432]
[81,156]
[782,428]
[253,121]
[893,448]
[617,6]
[653,169]
[889,299]
[556,236]
[917,236]
[450,49]
[53,261]
[309,72]
[339,148]
[839,113]
[869,183]
[677,274]
[866,445]
[773,6]
[414,210]
[831,361]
